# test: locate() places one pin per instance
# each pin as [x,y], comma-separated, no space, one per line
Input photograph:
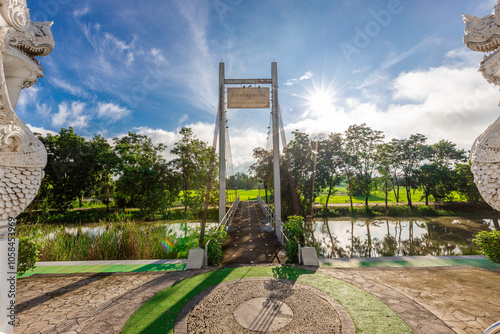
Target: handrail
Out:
[276,221]
[225,222]
[493,329]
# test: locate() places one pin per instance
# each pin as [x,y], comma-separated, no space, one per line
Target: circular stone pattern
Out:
[270,305]
[263,314]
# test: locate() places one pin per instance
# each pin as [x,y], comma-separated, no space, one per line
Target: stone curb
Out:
[108,262]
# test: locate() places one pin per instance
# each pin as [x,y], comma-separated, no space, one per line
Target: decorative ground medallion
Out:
[261,305]
[263,314]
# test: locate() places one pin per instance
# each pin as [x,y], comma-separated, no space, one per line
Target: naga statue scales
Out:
[483,35]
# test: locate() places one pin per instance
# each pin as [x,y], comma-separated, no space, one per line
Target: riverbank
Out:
[359,210]
[435,209]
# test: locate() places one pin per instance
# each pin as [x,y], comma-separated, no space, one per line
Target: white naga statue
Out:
[483,35]
[22,155]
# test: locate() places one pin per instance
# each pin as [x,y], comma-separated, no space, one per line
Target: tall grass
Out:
[117,241]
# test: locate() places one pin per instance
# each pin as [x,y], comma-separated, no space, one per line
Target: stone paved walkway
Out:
[86,303]
[430,300]
[467,300]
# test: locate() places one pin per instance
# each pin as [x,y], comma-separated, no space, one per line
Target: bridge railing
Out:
[224,223]
[276,221]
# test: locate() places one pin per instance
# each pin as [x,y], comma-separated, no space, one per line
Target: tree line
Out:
[130,170]
[364,162]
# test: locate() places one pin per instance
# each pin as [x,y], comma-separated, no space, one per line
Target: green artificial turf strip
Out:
[158,315]
[119,268]
[369,314]
[478,263]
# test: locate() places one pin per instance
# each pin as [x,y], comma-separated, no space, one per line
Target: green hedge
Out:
[489,243]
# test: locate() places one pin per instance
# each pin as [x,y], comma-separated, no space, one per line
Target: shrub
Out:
[215,252]
[294,231]
[28,255]
[489,243]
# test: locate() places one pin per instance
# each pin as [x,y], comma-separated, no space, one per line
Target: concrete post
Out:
[222,143]
[276,144]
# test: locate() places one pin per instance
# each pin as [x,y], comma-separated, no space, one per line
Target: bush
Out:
[28,255]
[294,231]
[489,243]
[215,252]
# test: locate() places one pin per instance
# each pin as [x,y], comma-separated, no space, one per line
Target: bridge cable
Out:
[293,190]
[210,176]
[269,143]
[229,162]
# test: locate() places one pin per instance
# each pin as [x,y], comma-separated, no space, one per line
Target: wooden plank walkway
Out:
[251,239]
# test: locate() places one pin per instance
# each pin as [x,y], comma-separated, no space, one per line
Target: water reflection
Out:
[336,238]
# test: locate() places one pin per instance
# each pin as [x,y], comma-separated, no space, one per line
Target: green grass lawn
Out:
[340,196]
[377,197]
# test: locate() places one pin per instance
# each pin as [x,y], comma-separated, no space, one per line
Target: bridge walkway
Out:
[251,238]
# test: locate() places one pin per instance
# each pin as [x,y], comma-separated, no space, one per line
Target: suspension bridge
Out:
[255,232]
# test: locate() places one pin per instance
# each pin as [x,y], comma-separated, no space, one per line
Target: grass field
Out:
[341,197]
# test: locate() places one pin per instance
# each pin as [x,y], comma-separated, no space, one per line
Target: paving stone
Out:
[451,300]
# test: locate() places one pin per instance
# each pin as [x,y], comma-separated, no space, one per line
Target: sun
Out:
[320,99]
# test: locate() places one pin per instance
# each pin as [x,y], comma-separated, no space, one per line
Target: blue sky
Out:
[152,67]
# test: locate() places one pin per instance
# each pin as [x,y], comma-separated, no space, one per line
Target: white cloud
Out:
[41,131]
[71,115]
[441,103]
[80,12]
[157,56]
[194,65]
[290,82]
[77,91]
[27,97]
[111,52]
[242,141]
[423,46]
[43,109]
[307,75]
[112,111]
[184,118]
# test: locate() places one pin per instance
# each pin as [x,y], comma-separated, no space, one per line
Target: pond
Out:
[344,237]
[173,228]
[95,229]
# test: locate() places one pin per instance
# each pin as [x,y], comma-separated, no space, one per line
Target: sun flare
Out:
[320,100]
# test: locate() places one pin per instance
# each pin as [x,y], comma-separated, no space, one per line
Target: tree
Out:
[70,170]
[385,163]
[390,161]
[193,164]
[105,166]
[436,176]
[329,163]
[301,152]
[361,143]
[262,169]
[145,180]
[411,151]
[465,183]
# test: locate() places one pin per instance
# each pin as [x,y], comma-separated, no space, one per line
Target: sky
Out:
[151,67]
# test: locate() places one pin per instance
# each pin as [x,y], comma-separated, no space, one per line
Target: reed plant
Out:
[110,241]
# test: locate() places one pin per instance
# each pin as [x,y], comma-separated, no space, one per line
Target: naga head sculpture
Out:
[22,155]
[483,35]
